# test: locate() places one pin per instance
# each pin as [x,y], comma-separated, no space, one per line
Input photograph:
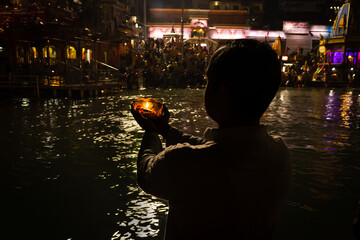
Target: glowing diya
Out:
[148,107]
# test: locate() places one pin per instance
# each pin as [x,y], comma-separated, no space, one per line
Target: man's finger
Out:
[136,114]
[166,111]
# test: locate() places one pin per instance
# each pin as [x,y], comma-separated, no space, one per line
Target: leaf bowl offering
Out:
[148,107]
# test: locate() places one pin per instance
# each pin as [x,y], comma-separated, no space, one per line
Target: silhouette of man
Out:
[232,183]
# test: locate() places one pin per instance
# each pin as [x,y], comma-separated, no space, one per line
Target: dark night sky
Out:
[165,3]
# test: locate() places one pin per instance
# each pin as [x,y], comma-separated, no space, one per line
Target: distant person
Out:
[232,183]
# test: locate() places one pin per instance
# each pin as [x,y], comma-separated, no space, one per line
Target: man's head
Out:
[244,75]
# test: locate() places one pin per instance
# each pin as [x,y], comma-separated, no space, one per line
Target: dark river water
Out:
[68,167]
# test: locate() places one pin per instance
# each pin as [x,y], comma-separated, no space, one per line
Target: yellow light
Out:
[34,52]
[147,105]
[71,52]
[216,3]
[285,58]
[322,49]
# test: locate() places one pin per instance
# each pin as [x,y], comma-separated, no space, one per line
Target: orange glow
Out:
[148,107]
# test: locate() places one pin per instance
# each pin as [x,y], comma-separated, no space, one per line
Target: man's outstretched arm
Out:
[174,136]
[152,169]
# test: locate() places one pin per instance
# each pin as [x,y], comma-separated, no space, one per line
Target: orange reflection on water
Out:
[345,109]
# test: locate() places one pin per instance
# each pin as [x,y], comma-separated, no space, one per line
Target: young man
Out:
[232,183]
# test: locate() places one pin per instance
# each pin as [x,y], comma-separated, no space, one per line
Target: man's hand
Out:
[145,123]
[162,123]
[159,125]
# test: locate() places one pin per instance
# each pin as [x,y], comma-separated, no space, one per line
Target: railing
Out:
[63,73]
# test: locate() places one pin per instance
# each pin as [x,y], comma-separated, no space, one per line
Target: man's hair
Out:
[251,72]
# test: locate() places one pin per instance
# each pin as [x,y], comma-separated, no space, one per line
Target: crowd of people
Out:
[164,66]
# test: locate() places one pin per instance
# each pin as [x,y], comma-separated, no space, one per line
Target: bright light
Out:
[158,32]
[227,33]
[352,69]
[88,55]
[216,3]
[333,69]
[284,58]
[136,25]
[262,34]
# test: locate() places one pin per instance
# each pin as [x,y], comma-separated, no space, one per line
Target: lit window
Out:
[34,53]
[70,52]
[86,54]
[51,50]
[20,54]
[83,50]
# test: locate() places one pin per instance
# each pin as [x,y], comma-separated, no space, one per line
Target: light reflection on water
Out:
[72,163]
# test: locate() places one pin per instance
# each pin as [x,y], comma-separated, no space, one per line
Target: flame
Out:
[148,107]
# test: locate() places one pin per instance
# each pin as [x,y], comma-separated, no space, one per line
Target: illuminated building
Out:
[343,47]
[221,21]
[50,42]
[344,44]
[228,20]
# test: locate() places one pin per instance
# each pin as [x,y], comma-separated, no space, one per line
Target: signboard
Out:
[198,23]
[296,27]
[226,33]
